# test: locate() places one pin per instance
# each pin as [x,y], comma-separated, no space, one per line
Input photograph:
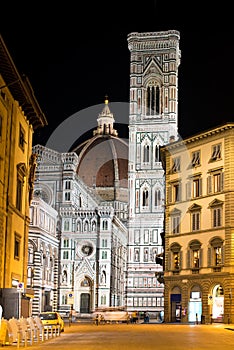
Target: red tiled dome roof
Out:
[103,159]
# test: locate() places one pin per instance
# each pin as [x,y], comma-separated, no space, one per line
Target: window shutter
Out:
[209,262]
[201,257]
[169,261]
[221,181]
[188,259]
[179,192]
[223,254]
[209,184]
[188,190]
[169,194]
[200,187]
[181,260]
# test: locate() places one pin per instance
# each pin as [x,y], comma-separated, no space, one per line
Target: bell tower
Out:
[153,122]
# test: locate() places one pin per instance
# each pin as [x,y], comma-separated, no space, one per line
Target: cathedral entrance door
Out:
[85,303]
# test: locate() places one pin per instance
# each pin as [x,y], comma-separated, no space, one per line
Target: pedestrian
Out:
[73,315]
[134,317]
[97,320]
[196,318]
[146,317]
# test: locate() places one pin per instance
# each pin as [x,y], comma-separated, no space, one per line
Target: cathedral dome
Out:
[103,160]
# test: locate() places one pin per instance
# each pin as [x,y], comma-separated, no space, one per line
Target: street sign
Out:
[70,298]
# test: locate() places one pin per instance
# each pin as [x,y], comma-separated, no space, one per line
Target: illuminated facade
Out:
[20,115]
[199,227]
[43,255]
[153,119]
[90,224]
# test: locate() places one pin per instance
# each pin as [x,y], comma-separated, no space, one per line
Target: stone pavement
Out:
[87,336]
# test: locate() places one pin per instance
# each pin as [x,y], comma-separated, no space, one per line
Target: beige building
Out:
[199,227]
[20,115]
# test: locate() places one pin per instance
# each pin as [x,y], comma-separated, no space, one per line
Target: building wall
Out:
[20,115]
[199,227]
[15,164]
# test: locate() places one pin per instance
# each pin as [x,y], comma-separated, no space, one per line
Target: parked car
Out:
[50,318]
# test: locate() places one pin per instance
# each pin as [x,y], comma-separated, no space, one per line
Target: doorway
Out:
[85,303]
[218,303]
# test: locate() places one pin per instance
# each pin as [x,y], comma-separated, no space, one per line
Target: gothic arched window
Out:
[145,198]
[158,198]
[146,154]
[157,153]
[153,100]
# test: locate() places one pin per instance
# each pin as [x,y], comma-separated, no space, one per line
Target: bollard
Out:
[38,335]
[25,339]
[42,334]
[18,340]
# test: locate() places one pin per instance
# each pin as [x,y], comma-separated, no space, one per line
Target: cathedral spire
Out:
[105,121]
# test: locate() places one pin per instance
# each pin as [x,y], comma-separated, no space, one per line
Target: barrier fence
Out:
[24,332]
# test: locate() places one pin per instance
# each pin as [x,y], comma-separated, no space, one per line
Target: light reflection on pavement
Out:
[140,336]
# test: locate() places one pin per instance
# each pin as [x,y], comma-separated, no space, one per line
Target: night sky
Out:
[76,53]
